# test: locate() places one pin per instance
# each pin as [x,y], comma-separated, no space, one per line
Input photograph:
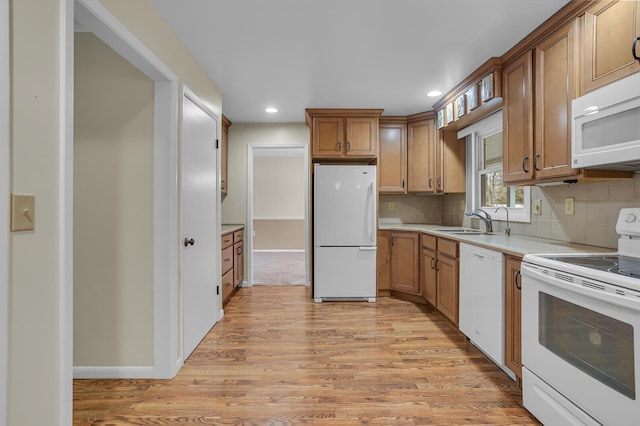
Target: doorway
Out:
[277,214]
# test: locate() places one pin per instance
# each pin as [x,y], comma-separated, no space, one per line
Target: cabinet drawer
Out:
[448,247]
[226,240]
[227,259]
[238,235]
[429,242]
[227,284]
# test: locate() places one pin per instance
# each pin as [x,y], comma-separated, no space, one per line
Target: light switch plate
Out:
[537,207]
[23,213]
[570,206]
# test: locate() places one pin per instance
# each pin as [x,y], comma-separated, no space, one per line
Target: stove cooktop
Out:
[615,264]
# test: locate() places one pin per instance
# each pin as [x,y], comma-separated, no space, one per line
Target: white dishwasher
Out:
[481,314]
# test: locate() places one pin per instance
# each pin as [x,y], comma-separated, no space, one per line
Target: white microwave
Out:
[606,127]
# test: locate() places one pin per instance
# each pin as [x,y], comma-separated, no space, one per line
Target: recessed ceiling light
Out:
[271,110]
[434,93]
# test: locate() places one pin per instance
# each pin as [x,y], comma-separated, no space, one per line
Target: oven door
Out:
[580,338]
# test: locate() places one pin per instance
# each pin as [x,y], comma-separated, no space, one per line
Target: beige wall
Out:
[234,205]
[410,208]
[278,187]
[279,234]
[113,209]
[35,375]
[34,287]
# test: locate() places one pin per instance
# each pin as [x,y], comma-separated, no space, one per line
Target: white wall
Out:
[234,206]
[113,209]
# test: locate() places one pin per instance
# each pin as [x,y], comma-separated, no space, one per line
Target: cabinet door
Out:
[555,86]
[392,161]
[447,291]
[328,137]
[405,265]
[238,264]
[609,29]
[428,275]
[362,137]
[227,259]
[384,261]
[421,156]
[227,285]
[517,122]
[513,316]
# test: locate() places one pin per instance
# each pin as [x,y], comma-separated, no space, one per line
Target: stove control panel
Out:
[629,222]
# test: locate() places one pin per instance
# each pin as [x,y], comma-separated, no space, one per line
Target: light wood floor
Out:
[277,358]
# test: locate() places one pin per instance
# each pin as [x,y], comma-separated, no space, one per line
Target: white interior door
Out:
[199,265]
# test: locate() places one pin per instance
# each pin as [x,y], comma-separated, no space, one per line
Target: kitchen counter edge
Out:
[516,245]
[225,229]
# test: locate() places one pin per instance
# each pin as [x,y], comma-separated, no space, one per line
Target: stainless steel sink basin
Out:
[463,231]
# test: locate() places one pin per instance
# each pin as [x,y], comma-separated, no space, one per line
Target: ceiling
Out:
[297,54]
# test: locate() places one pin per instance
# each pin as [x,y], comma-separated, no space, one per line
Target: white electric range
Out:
[581,333]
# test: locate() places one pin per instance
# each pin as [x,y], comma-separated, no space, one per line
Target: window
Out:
[485,187]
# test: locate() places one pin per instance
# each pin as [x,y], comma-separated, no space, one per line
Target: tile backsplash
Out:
[596,211]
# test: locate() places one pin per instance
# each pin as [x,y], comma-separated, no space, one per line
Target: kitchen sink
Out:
[463,231]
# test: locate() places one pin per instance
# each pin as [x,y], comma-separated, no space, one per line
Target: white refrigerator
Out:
[344,233]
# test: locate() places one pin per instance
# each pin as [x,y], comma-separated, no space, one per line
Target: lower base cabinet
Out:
[440,274]
[232,246]
[405,264]
[513,315]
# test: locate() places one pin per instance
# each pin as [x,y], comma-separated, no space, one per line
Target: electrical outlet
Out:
[537,207]
[391,205]
[569,206]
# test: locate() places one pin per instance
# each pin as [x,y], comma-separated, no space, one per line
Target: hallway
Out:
[279,358]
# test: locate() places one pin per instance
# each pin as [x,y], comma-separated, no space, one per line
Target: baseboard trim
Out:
[113,373]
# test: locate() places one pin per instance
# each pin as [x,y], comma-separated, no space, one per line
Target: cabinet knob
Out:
[430,182]
[518,280]
[189,242]
[633,49]
[348,146]
[535,162]
[339,146]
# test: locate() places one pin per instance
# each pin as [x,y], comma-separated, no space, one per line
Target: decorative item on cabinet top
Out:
[475,97]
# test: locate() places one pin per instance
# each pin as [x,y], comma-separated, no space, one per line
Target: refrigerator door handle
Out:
[372,233]
[368,248]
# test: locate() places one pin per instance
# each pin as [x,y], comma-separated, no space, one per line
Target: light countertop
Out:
[517,245]
[226,228]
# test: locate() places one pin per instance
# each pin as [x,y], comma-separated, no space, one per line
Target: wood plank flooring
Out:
[277,358]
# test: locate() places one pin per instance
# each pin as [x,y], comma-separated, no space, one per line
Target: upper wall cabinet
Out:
[392,161]
[224,155]
[537,142]
[341,133]
[610,28]
[421,149]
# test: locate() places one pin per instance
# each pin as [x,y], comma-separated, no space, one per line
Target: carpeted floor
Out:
[278,268]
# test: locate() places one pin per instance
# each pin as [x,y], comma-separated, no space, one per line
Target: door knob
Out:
[188,242]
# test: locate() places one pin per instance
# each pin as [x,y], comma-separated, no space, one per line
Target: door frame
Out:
[252,148]
[94,17]
[187,93]
[5,190]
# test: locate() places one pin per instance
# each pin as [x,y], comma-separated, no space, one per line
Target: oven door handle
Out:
[585,287]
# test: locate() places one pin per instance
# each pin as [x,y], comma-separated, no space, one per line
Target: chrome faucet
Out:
[507,230]
[487,220]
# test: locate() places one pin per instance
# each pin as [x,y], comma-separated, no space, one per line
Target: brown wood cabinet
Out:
[421,153]
[513,315]
[428,274]
[517,120]
[337,133]
[450,164]
[392,161]
[447,273]
[609,29]
[439,274]
[224,155]
[232,245]
[238,260]
[384,263]
[405,266]
[547,158]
